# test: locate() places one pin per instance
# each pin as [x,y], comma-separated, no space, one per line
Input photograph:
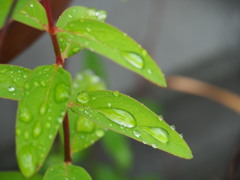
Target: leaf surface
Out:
[66,171]
[40,114]
[4,9]
[31,13]
[17,176]
[71,14]
[84,132]
[108,41]
[125,115]
[12,80]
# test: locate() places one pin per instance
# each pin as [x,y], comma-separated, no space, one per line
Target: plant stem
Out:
[4,29]
[59,61]
[66,139]
[51,31]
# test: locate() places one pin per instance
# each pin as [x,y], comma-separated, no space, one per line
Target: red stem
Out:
[67,139]
[59,60]
[51,31]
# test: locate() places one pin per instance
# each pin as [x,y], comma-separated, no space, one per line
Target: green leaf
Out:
[84,132]
[125,115]
[31,13]
[12,80]
[108,41]
[40,114]
[71,14]
[17,176]
[66,171]
[118,148]
[4,9]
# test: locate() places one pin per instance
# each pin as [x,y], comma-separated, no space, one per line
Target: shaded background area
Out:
[195,38]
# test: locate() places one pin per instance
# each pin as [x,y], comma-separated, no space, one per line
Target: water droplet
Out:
[101,15]
[27,86]
[26,135]
[94,98]
[100,133]
[26,161]
[181,135]
[70,16]
[37,131]
[173,127]
[119,116]
[158,133]
[43,109]
[61,92]
[11,89]
[83,97]
[109,104]
[116,93]
[91,12]
[154,146]
[18,132]
[88,29]
[25,115]
[36,84]
[160,118]
[149,71]
[31,5]
[84,125]
[76,49]
[47,125]
[134,59]
[50,136]
[144,142]
[137,133]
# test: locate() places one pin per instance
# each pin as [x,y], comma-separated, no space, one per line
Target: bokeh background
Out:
[195,38]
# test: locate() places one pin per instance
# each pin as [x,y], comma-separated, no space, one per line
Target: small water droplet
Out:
[37,131]
[137,133]
[36,84]
[88,29]
[134,59]
[25,115]
[27,86]
[158,133]
[94,98]
[70,16]
[86,112]
[144,142]
[160,118]
[26,135]
[43,109]
[31,5]
[154,146]
[83,97]
[149,71]
[173,127]
[76,49]
[119,116]
[144,52]
[61,92]
[109,104]
[11,89]
[116,93]
[18,132]
[110,125]
[47,125]
[50,136]
[101,15]
[100,133]
[181,135]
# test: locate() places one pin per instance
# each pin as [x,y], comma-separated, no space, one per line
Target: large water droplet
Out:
[25,115]
[43,109]
[26,161]
[137,133]
[134,59]
[158,133]
[61,92]
[11,89]
[84,125]
[101,15]
[119,116]
[83,97]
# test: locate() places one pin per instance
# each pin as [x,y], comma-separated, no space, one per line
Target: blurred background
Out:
[195,38]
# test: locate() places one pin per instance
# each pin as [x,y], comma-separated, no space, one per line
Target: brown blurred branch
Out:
[196,87]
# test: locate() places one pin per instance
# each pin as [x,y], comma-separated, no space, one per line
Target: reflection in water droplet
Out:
[61,92]
[158,133]
[84,125]
[116,93]
[11,89]
[25,115]
[134,59]
[100,133]
[137,133]
[43,109]
[83,97]
[119,116]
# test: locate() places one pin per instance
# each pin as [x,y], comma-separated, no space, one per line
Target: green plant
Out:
[49,99]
